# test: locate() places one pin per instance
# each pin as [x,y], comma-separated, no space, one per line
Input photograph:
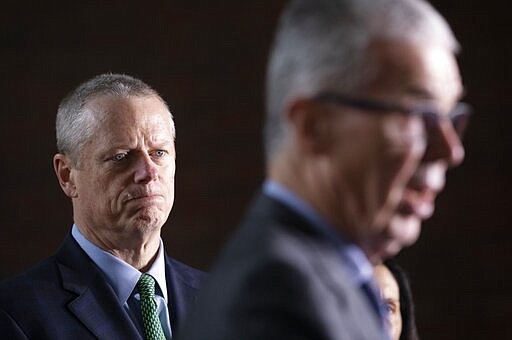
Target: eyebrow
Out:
[392,300]
[420,92]
[163,142]
[425,94]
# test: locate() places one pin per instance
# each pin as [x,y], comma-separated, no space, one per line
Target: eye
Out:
[119,157]
[431,120]
[160,153]
[391,308]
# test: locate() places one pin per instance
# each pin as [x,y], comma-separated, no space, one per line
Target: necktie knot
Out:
[146,286]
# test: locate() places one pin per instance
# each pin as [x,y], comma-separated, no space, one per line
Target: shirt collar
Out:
[120,275]
[358,264]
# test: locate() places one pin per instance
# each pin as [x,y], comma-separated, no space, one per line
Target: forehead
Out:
[412,71]
[386,282]
[107,106]
[114,113]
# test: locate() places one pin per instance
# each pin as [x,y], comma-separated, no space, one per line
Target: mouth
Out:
[404,228]
[403,231]
[418,203]
[144,197]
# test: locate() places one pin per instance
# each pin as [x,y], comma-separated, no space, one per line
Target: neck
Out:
[303,177]
[311,179]
[138,250]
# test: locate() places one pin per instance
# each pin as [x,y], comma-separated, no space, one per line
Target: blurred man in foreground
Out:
[363,120]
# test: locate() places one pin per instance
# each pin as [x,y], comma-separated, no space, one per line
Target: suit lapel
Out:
[96,304]
[182,288]
[328,266]
[330,269]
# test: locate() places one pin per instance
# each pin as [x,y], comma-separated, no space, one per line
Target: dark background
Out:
[207,59]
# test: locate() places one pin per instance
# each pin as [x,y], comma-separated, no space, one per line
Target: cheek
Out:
[167,181]
[108,191]
[403,140]
[96,196]
[401,149]
[396,324]
[172,174]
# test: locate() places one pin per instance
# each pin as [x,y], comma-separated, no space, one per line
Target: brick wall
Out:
[207,60]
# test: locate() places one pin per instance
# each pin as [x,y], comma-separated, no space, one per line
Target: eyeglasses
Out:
[459,115]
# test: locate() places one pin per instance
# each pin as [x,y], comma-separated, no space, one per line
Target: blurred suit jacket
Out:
[278,278]
[67,297]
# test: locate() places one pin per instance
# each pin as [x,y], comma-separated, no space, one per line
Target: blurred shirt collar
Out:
[358,264]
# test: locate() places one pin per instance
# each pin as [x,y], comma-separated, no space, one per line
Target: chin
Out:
[148,221]
[402,232]
[382,251]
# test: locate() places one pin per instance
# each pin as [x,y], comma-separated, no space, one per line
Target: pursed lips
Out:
[143,196]
[419,203]
[420,195]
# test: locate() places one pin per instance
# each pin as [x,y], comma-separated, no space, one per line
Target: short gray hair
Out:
[320,45]
[75,124]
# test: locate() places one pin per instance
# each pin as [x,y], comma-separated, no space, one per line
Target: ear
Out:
[311,124]
[64,170]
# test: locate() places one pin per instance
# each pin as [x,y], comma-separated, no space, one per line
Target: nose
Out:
[445,145]
[145,170]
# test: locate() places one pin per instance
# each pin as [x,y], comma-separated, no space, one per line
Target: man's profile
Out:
[363,120]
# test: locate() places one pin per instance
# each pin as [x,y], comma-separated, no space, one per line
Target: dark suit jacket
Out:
[67,297]
[278,278]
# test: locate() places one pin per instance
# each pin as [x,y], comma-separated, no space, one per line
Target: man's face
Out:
[386,171]
[125,178]
[390,295]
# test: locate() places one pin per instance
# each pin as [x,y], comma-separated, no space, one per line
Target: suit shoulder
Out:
[272,239]
[34,283]
[187,274]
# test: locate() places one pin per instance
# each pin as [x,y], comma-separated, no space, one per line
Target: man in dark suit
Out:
[363,121]
[111,278]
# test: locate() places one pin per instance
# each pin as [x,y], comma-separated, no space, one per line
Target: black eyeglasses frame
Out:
[459,115]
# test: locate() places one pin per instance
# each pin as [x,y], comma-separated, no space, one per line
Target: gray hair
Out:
[75,123]
[320,45]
